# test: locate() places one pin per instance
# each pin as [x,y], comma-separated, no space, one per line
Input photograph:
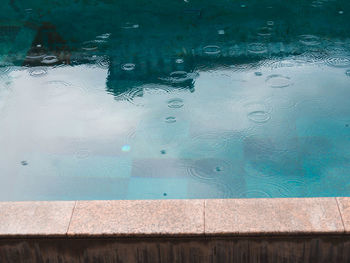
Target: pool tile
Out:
[272,216]
[69,188]
[35,218]
[138,218]
[344,207]
[160,168]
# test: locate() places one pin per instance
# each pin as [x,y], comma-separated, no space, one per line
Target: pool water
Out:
[104,99]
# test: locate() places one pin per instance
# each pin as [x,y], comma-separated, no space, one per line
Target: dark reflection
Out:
[142,42]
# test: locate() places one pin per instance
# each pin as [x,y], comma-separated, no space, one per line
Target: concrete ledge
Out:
[138,218]
[171,218]
[34,219]
[217,230]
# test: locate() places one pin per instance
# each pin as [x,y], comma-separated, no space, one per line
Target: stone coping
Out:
[172,218]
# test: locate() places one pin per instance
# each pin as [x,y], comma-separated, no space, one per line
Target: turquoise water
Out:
[174,99]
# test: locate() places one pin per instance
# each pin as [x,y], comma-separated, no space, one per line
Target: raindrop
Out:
[128,66]
[258,74]
[179,61]
[338,62]
[179,76]
[175,103]
[103,62]
[218,169]
[82,153]
[341,12]
[49,59]
[258,112]
[89,46]
[208,169]
[37,71]
[35,56]
[163,152]
[257,48]
[211,50]
[221,32]
[270,23]
[164,194]
[264,31]
[278,81]
[126,148]
[243,6]
[104,36]
[129,25]
[259,116]
[24,163]
[170,119]
[309,40]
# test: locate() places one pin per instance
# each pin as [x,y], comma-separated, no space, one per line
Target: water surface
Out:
[174,99]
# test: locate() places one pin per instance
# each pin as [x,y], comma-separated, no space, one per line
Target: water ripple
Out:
[175,103]
[278,81]
[309,40]
[37,71]
[212,50]
[338,61]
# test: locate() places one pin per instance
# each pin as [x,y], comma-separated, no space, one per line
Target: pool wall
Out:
[213,230]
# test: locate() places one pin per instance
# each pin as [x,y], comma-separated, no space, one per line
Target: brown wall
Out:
[290,249]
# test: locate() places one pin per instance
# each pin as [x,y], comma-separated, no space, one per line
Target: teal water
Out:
[135,99]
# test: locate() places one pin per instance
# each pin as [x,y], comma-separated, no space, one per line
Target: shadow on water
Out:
[142,42]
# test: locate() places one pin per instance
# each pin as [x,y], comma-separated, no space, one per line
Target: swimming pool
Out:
[174,99]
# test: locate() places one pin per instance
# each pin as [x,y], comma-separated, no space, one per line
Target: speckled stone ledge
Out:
[176,218]
[35,218]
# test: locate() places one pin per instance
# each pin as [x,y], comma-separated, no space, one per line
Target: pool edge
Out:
[176,218]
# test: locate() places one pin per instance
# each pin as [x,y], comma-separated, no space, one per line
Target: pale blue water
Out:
[174,99]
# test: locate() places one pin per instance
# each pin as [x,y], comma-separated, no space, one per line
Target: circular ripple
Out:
[82,153]
[278,81]
[175,103]
[128,66]
[179,61]
[49,59]
[37,71]
[209,169]
[170,119]
[104,36]
[90,46]
[257,48]
[259,116]
[264,31]
[180,76]
[338,62]
[309,40]
[129,25]
[212,50]
[35,57]
[103,62]
[258,112]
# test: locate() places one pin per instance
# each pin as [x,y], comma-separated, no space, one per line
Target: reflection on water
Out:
[177,99]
